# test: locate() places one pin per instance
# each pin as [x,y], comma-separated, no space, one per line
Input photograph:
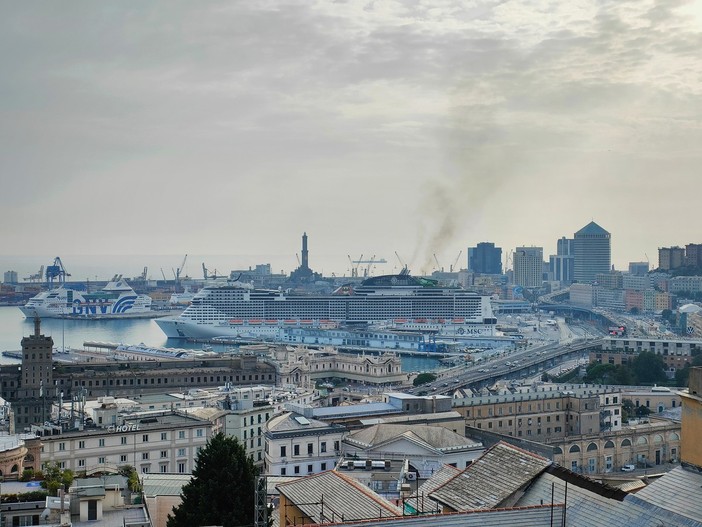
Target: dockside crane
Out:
[56,271]
[403,264]
[164,275]
[438,265]
[180,269]
[368,269]
[208,276]
[38,277]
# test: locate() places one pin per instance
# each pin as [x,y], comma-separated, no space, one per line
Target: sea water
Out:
[73,333]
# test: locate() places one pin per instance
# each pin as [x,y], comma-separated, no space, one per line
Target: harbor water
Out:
[73,333]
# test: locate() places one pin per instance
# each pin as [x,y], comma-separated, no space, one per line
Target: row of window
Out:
[199,432]
[310,449]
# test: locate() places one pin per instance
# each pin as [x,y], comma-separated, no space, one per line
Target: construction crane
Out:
[164,275]
[403,264]
[370,263]
[38,277]
[56,271]
[180,270]
[456,261]
[438,265]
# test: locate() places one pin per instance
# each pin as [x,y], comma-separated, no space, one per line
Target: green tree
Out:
[648,368]
[222,489]
[55,478]
[132,476]
[424,378]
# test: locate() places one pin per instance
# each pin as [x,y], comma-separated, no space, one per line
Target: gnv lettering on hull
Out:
[123,428]
[94,309]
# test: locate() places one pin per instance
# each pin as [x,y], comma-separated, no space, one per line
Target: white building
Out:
[299,445]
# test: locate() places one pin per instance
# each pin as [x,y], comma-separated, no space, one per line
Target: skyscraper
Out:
[528,266]
[485,259]
[592,251]
[561,264]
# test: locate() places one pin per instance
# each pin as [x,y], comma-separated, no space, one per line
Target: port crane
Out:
[177,272]
[36,277]
[438,265]
[354,265]
[56,271]
[208,276]
[403,264]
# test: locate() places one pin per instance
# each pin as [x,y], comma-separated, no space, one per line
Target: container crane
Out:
[56,271]
[36,277]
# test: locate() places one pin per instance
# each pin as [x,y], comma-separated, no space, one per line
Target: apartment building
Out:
[544,413]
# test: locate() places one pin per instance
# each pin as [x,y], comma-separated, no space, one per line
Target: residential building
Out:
[612,299]
[693,255]
[10,277]
[610,280]
[581,295]
[297,444]
[485,258]
[637,282]
[670,258]
[528,266]
[592,252]
[685,284]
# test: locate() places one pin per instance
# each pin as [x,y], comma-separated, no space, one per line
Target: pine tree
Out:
[222,489]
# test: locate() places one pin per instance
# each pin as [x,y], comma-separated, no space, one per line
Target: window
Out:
[164,453]
[81,444]
[164,468]
[181,468]
[123,458]
[145,438]
[101,442]
[181,452]
[81,462]
[296,450]
[62,447]
[199,432]
[181,434]
[123,440]
[323,466]
[283,451]
[144,455]
[164,436]
[101,460]
[310,449]
[283,471]
[296,469]
[310,469]
[336,445]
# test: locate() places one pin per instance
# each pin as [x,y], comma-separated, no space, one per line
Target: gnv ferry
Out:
[116,300]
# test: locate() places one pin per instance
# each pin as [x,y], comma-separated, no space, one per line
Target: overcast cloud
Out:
[421,127]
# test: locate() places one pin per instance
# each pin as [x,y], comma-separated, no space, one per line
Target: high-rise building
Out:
[485,258]
[10,277]
[592,252]
[670,258]
[693,254]
[564,246]
[638,268]
[528,266]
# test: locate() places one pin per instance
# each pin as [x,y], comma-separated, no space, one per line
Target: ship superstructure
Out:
[116,300]
[237,309]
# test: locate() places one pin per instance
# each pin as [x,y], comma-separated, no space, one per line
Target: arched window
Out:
[591,447]
[557,450]
[674,436]
[657,438]
[609,444]
[574,448]
[626,442]
[642,441]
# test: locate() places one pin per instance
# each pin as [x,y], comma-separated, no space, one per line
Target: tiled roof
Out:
[436,437]
[491,479]
[156,484]
[420,500]
[332,497]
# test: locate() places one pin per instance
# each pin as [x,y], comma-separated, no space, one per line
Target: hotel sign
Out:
[123,428]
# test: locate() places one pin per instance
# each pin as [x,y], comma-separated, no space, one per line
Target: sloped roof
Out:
[291,421]
[420,499]
[679,490]
[585,507]
[491,479]
[434,437]
[592,229]
[332,496]
[157,484]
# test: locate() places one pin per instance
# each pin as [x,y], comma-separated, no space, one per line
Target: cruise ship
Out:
[116,300]
[235,309]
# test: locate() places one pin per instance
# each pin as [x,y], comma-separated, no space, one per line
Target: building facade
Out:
[592,252]
[670,258]
[485,258]
[528,266]
[153,442]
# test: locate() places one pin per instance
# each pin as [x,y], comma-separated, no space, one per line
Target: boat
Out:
[182,299]
[116,300]
[401,300]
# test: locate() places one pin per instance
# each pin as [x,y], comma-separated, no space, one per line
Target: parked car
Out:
[628,468]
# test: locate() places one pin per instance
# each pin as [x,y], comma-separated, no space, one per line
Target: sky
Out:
[377,127]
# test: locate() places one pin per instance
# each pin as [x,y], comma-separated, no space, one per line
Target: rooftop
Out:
[433,437]
[592,229]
